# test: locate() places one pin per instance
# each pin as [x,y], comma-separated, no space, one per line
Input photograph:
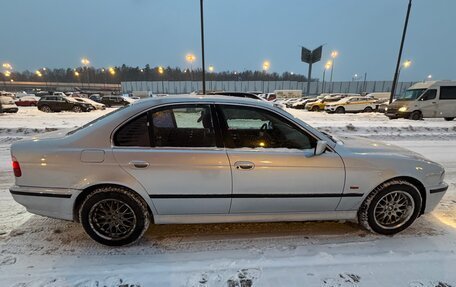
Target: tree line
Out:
[115,75]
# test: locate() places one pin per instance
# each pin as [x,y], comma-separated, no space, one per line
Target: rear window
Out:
[134,133]
[448,93]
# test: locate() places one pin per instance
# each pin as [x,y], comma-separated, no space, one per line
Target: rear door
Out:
[447,101]
[174,153]
[273,164]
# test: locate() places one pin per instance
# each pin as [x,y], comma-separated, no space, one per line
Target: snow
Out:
[39,251]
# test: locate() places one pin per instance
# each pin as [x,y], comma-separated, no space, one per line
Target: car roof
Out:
[201,98]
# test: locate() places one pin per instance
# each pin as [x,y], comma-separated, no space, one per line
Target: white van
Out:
[432,99]
[287,94]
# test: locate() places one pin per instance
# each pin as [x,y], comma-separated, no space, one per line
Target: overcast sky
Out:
[240,34]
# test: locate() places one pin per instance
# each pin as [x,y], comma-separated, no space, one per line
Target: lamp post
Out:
[161,71]
[202,46]
[334,55]
[211,69]
[76,74]
[190,59]
[85,62]
[328,66]
[266,66]
[404,33]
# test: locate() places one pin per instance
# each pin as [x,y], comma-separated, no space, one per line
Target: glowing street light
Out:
[7,66]
[429,77]
[211,68]
[407,64]
[76,73]
[85,61]
[266,65]
[7,73]
[190,58]
[161,70]
[112,71]
[328,66]
[334,55]
[38,73]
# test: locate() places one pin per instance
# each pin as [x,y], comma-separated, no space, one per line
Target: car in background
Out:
[27,101]
[319,104]
[95,105]
[112,100]
[432,99]
[7,105]
[301,103]
[352,105]
[23,94]
[192,159]
[51,103]
[95,97]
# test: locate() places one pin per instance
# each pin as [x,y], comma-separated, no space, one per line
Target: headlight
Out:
[386,109]
[402,109]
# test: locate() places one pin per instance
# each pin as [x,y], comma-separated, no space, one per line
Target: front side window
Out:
[183,126]
[247,127]
[429,95]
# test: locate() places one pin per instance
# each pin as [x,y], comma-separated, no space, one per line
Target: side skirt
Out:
[263,217]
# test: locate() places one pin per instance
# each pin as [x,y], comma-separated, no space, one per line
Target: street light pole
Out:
[202,47]
[396,73]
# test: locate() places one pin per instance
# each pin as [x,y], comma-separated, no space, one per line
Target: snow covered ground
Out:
[38,251]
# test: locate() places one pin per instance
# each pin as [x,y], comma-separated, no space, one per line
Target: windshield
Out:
[410,95]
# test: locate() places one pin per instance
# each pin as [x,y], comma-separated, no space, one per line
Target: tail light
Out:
[16,167]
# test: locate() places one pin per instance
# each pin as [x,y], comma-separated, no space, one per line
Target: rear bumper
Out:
[51,202]
[434,195]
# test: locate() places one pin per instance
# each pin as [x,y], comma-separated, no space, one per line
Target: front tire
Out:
[46,109]
[390,208]
[368,110]
[448,119]
[340,110]
[77,109]
[315,109]
[416,116]
[114,216]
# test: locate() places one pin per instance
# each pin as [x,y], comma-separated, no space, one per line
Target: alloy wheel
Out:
[394,209]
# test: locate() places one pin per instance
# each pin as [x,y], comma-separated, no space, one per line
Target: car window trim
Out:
[224,124]
[218,136]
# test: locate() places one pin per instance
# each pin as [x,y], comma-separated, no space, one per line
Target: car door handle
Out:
[139,163]
[244,165]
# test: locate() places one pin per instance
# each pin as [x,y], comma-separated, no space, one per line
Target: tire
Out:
[448,119]
[76,109]
[46,109]
[416,116]
[370,216]
[392,118]
[315,109]
[340,110]
[102,201]
[368,110]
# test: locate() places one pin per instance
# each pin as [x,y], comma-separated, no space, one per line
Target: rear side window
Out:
[448,93]
[183,126]
[134,133]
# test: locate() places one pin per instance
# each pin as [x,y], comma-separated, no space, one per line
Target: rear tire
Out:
[416,116]
[340,110]
[390,208]
[46,109]
[114,216]
[448,119]
[315,109]
[368,110]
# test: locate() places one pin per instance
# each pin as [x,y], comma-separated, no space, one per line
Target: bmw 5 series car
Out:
[207,159]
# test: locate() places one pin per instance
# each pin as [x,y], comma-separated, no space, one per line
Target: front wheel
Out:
[340,110]
[77,109]
[390,208]
[368,110]
[416,116]
[114,216]
[315,109]
[46,109]
[448,119]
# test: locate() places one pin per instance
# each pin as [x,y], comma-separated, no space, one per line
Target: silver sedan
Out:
[190,159]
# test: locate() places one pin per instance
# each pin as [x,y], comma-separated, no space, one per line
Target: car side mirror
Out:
[321,147]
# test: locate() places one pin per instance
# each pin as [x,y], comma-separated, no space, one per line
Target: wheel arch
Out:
[85,192]
[415,182]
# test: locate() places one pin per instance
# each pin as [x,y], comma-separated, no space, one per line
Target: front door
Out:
[273,164]
[428,104]
[177,159]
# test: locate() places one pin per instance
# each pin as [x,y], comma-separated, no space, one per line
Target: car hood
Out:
[365,146]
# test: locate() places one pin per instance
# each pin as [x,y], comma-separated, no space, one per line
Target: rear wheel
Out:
[340,110]
[390,208]
[46,109]
[114,216]
[368,110]
[315,109]
[449,119]
[416,116]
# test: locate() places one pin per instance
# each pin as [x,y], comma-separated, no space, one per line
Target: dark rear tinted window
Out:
[134,133]
[448,93]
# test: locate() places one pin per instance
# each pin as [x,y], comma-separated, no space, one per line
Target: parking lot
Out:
[38,251]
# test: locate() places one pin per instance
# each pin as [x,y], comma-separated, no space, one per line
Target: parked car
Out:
[95,105]
[301,104]
[53,103]
[96,98]
[7,105]
[110,101]
[192,159]
[352,105]
[27,101]
[433,99]
[319,105]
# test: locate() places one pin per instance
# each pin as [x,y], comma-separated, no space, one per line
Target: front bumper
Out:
[397,114]
[434,195]
[330,109]
[51,202]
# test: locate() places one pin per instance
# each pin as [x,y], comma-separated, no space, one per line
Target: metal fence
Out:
[183,87]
